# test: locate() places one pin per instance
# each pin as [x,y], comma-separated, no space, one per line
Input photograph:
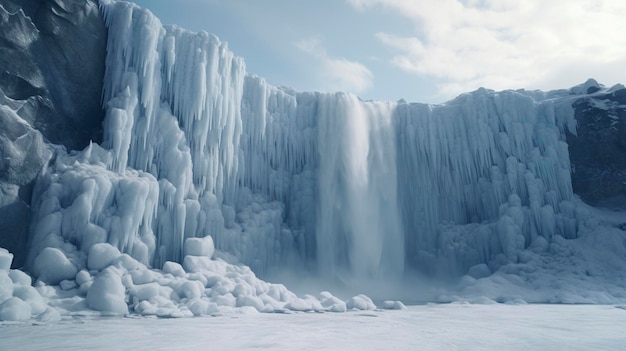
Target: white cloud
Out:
[337,74]
[503,44]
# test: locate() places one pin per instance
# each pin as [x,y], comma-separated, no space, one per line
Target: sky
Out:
[418,50]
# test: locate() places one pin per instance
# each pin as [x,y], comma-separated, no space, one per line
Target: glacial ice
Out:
[202,164]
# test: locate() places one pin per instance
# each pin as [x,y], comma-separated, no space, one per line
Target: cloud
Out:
[337,74]
[501,44]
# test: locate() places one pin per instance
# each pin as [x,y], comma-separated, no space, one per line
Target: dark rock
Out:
[64,66]
[598,152]
[52,56]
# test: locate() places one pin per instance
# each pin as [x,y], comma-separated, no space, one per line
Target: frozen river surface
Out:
[424,327]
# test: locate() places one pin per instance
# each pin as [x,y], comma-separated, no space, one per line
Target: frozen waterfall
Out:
[358,217]
[194,146]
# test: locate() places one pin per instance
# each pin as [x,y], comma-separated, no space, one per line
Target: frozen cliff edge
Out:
[194,147]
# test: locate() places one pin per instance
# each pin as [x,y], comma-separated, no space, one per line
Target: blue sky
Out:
[418,50]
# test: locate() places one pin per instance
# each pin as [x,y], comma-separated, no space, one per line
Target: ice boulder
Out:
[479,271]
[107,294]
[145,308]
[14,309]
[393,305]
[49,315]
[332,303]
[5,259]
[82,277]
[200,246]
[360,302]
[173,268]
[203,307]
[20,278]
[52,267]
[128,263]
[197,264]
[101,256]
[32,297]
[299,305]
[6,286]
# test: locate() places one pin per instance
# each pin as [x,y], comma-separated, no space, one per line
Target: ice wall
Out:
[483,177]
[193,146]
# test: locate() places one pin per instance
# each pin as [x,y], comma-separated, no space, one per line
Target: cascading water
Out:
[358,219]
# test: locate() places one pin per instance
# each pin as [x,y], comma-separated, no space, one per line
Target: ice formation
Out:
[195,147]
[200,157]
[19,300]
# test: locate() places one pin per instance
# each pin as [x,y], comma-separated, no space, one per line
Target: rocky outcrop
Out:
[51,69]
[598,151]
[53,60]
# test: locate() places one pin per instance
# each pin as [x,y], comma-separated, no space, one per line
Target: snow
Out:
[425,327]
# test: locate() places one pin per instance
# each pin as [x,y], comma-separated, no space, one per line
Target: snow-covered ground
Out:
[424,327]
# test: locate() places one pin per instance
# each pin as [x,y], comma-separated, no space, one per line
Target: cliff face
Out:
[51,69]
[598,151]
